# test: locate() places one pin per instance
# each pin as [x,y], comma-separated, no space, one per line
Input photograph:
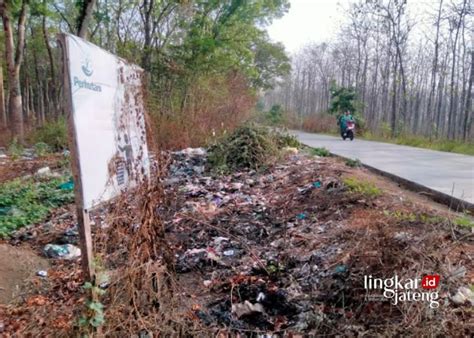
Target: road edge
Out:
[450,201]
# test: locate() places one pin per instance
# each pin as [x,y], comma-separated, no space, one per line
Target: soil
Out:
[400,196]
[10,170]
[18,266]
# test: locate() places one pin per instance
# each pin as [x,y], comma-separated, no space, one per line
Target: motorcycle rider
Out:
[342,121]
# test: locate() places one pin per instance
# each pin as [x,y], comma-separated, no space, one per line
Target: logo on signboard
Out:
[87,67]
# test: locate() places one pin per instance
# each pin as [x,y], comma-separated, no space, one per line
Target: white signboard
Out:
[108,119]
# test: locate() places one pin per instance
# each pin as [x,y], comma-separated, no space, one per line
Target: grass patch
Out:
[286,140]
[413,217]
[15,149]
[42,149]
[322,152]
[464,222]
[353,163]
[24,202]
[365,188]
[424,142]
[53,134]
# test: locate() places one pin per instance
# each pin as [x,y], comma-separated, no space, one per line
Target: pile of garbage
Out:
[284,250]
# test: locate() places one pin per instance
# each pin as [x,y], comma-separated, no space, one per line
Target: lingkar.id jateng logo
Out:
[87,69]
[398,290]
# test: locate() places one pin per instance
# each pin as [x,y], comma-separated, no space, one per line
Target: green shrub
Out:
[24,202]
[15,149]
[353,163]
[286,140]
[322,152]
[275,115]
[248,147]
[54,134]
[365,188]
[42,149]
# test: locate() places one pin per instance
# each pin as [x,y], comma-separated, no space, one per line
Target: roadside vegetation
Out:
[326,124]
[53,133]
[343,99]
[420,87]
[452,146]
[322,152]
[28,201]
[249,147]
[365,188]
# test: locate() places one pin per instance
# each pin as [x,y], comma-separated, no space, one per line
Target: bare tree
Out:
[468,109]
[400,81]
[3,111]
[434,70]
[14,57]
[456,22]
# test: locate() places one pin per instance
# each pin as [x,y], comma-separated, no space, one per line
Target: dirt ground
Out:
[10,170]
[283,251]
[18,266]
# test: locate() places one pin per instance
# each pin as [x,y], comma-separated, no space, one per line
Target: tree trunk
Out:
[468,109]
[41,109]
[393,115]
[3,111]
[147,18]
[439,127]
[84,18]
[434,70]
[26,102]
[453,91]
[54,97]
[13,60]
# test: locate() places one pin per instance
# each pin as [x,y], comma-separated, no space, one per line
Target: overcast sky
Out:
[307,20]
[319,20]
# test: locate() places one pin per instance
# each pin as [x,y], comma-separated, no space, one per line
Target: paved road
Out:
[437,170]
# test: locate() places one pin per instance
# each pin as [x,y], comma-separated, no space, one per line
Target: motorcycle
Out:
[349,132]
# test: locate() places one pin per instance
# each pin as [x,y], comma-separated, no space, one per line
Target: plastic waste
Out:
[301,216]
[5,211]
[65,251]
[42,273]
[69,185]
[45,171]
[290,150]
[462,296]
[230,252]
[246,308]
[193,151]
[340,269]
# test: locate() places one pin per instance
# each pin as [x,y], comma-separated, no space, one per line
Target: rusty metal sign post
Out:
[103,96]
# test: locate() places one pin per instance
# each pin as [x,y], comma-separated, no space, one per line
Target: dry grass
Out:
[211,108]
[321,123]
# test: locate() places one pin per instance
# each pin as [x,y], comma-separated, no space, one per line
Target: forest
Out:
[411,70]
[206,61]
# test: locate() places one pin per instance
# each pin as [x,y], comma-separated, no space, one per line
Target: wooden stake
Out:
[83,219]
